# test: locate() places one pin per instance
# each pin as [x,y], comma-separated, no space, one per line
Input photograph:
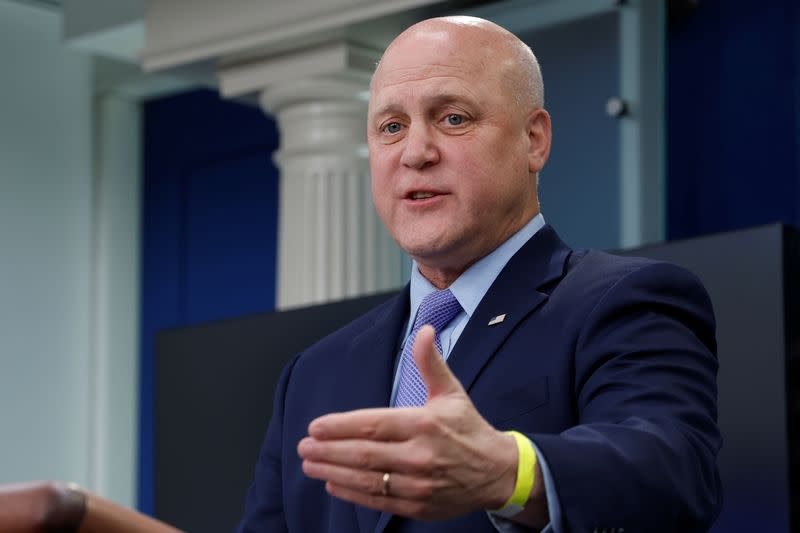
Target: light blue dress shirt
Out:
[469,289]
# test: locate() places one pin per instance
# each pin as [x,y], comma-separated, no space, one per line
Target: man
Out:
[604,366]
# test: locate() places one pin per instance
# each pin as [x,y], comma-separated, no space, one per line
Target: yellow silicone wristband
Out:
[526,472]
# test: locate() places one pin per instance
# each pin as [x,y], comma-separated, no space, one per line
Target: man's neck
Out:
[442,276]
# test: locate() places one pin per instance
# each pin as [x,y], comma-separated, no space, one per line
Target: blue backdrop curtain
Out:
[733,99]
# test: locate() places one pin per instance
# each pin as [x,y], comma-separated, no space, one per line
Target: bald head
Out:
[457,136]
[478,43]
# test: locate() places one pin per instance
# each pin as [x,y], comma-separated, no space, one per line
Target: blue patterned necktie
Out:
[437,309]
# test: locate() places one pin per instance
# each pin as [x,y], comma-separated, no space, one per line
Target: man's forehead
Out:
[420,72]
[435,47]
[428,87]
[435,65]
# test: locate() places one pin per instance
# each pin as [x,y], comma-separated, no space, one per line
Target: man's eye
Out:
[454,119]
[392,128]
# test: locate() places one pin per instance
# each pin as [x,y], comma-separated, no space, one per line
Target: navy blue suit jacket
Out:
[607,363]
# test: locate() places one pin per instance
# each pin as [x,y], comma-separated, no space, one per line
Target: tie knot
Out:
[437,309]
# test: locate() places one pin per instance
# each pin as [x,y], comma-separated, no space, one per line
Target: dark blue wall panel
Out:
[732,100]
[209,227]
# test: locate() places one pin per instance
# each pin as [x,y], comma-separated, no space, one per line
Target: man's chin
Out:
[439,257]
[424,251]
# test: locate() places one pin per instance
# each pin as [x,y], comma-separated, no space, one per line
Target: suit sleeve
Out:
[643,456]
[264,503]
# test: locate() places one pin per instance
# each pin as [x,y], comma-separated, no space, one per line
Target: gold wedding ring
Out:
[387,483]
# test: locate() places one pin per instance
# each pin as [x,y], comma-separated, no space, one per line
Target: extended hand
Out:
[444,459]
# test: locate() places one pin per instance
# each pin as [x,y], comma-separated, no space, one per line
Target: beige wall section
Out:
[69,226]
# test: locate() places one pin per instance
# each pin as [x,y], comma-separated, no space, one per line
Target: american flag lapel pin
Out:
[497,319]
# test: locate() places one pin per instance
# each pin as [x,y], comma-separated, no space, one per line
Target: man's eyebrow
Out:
[388,109]
[443,99]
[433,101]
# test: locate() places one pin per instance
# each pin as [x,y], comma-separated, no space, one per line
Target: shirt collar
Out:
[471,286]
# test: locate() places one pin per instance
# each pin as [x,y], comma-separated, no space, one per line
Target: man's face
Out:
[450,150]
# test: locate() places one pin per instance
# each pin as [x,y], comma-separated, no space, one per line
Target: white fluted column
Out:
[331,244]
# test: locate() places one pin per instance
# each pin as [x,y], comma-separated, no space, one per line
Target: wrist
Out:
[525,477]
[508,460]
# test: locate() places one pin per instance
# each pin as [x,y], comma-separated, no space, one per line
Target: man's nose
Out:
[419,149]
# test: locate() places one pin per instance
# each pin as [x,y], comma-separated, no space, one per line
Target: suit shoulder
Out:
[611,267]
[337,341]
[596,272]
[601,263]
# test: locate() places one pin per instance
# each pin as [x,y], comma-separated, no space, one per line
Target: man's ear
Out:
[540,134]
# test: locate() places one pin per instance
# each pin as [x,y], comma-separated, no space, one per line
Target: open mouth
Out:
[421,195]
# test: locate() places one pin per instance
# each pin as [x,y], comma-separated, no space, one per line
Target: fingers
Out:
[398,506]
[383,424]
[432,367]
[368,455]
[371,482]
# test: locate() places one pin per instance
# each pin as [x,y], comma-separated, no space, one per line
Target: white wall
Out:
[68,264]
[45,238]
[115,316]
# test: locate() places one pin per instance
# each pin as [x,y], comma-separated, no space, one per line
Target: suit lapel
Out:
[517,292]
[372,354]
[371,358]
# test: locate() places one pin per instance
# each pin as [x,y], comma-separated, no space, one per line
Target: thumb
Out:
[432,366]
